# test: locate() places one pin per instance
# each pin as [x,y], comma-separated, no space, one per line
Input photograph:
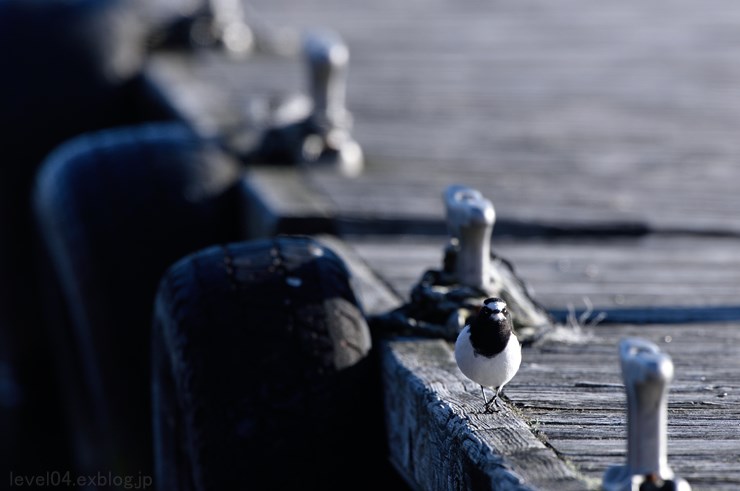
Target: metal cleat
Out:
[646,372]
[321,137]
[470,219]
[443,300]
[214,24]
[229,28]
[470,260]
[327,58]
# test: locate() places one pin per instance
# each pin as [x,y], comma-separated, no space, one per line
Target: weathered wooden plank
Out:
[573,119]
[569,392]
[602,116]
[439,437]
[277,200]
[573,395]
[374,295]
[655,278]
[219,95]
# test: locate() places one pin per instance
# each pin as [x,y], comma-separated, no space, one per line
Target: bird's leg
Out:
[497,400]
[487,404]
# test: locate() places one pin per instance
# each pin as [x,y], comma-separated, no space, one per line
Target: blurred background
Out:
[577,116]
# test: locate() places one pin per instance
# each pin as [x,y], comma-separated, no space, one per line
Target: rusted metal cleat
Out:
[647,372]
[319,134]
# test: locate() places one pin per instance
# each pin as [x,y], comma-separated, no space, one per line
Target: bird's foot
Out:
[492,406]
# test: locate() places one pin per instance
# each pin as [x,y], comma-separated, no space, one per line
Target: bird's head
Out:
[496,310]
[491,328]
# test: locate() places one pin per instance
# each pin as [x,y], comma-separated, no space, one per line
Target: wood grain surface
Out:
[606,138]
[568,393]
[572,114]
[653,278]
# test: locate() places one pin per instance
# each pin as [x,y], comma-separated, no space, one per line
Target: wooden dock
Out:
[569,391]
[606,138]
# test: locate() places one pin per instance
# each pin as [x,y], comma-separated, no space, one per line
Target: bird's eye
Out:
[504,311]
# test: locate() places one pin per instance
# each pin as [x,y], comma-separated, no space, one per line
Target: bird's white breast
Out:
[495,371]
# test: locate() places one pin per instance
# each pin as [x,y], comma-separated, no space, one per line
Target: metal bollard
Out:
[470,219]
[229,26]
[327,58]
[315,130]
[445,299]
[647,373]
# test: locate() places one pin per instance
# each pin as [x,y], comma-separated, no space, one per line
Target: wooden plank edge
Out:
[440,439]
[375,296]
[276,200]
[438,436]
[654,315]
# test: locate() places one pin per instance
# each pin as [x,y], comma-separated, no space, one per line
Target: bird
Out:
[487,350]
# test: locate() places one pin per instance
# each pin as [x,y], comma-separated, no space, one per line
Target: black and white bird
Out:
[487,350]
